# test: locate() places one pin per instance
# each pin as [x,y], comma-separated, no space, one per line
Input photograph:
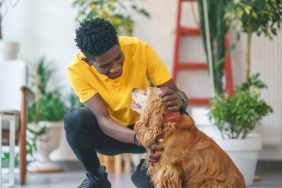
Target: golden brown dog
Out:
[190,158]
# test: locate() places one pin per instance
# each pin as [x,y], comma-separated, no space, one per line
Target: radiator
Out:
[267,59]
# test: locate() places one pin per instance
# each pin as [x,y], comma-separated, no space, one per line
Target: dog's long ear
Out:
[150,124]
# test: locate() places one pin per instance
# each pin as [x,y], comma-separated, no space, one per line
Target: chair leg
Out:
[22,164]
[127,163]
[22,176]
[107,161]
[114,164]
[118,164]
[22,141]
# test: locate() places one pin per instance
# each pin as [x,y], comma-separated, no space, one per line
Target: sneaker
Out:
[87,183]
[140,177]
[99,180]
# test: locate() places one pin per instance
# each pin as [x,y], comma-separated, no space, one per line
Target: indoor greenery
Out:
[48,105]
[218,28]
[259,17]
[238,115]
[118,12]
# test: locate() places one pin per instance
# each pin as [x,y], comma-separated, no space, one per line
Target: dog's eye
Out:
[145,92]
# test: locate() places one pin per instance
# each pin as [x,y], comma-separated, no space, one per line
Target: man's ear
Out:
[149,127]
[87,61]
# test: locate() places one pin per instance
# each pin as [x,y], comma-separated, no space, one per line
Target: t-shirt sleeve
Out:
[81,87]
[157,72]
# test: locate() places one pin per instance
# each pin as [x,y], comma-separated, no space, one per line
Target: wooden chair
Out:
[13,100]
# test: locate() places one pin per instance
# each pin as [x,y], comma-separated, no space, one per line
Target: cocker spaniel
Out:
[190,158]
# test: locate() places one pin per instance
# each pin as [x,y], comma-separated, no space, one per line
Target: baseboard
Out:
[265,166]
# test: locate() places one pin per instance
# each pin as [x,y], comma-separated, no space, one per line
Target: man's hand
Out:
[154,152]
[171,99]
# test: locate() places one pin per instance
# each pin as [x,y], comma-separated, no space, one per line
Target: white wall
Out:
[46,28]
[43,28]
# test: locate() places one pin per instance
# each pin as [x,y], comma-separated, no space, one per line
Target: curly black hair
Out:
[94,37]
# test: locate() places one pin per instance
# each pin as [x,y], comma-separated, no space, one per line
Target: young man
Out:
[103,75]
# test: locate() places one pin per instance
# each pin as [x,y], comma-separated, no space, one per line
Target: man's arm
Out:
[173,97]
[99,108]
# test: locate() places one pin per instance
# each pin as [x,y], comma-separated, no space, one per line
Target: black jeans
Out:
[86,139]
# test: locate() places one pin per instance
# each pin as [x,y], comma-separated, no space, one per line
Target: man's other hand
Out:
[154,152]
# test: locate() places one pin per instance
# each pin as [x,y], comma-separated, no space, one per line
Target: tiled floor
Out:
[270,173]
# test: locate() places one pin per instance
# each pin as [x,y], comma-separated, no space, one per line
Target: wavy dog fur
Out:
[190,158]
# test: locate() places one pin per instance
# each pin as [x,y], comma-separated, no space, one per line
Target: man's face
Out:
[110,63]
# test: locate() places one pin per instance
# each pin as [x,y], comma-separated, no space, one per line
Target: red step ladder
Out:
[177,65]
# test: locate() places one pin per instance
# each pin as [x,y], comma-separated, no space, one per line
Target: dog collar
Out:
[171,116]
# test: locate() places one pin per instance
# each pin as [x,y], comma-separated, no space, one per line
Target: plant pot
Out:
[203,123]
[8,50]
[244,153]
[63,151]
[45,145]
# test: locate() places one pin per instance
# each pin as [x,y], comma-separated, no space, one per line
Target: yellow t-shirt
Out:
[141,64]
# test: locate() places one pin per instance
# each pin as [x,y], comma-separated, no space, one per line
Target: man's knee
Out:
[75,118]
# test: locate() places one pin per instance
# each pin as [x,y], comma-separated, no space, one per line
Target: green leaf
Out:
[49,104]
[240,114]
[119,12]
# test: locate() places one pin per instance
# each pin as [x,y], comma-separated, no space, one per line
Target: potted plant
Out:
[118,12]
[45,115]
[8,49]
[237,116]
